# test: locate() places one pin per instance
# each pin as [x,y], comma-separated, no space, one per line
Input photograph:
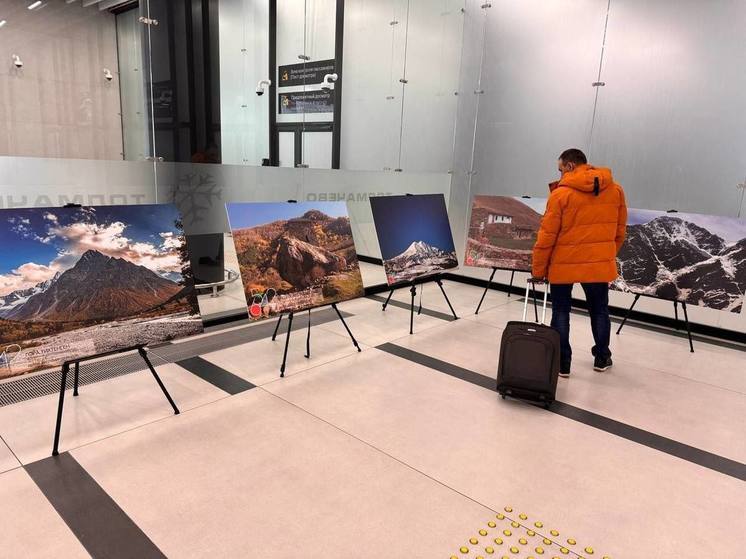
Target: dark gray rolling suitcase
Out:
[529,358]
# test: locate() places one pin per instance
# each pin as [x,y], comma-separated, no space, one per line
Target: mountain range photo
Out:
[294,256]
[414,235]
[503,231]
[697,259]
[82,281]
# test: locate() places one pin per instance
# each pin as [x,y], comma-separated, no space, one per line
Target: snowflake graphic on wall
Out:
[194,195]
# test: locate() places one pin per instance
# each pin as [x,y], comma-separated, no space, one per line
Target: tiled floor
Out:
[7,460]
[373,455]
[30,526]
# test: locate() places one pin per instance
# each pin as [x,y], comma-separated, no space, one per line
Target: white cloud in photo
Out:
[161,255]
[111,240]
[170,241]
[25,276]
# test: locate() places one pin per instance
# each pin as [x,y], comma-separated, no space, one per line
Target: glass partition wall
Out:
[200,103]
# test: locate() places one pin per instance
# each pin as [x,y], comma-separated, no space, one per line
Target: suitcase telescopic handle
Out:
[532,282]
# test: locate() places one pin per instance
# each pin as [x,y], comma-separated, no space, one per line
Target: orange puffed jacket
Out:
[583,228]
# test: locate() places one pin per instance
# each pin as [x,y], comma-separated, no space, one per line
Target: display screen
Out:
[414,236]
[294,256]
[76,282]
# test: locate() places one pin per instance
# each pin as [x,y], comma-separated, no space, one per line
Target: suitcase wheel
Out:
[503,395]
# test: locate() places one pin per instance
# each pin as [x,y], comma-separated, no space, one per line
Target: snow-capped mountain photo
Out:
[697,259]
[18,297]
[414,235]
[75,282]
[419,259]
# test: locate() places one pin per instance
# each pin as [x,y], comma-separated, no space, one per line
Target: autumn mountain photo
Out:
[294,256]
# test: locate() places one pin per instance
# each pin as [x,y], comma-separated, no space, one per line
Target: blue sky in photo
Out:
[731,229]
[250,214]
[401,220]
[22,230]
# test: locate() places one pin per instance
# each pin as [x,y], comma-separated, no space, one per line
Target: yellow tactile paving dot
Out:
[510,538]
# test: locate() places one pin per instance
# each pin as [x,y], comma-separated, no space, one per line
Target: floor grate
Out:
[25,388]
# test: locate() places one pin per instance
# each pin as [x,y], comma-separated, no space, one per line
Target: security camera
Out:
[108,75]
[262,86]
[17,62]
[328,83]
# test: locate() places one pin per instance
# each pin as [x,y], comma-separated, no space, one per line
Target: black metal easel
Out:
[676,317]
[308,335]
[63,384]
[510,287]
[413,292]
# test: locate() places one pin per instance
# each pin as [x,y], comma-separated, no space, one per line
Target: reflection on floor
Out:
[230,299]
[399,451]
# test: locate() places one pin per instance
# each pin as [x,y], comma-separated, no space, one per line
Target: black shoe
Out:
[565,375]
[564,371]
[600,364]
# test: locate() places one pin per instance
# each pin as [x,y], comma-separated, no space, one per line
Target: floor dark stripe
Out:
[438,365]
[663,444]
[217,376]
[669,446]
[97,521]
[406,306]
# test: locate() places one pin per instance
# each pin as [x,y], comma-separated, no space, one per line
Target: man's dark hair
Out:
[573,155]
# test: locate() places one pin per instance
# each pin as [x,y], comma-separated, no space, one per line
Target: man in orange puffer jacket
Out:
[582,230]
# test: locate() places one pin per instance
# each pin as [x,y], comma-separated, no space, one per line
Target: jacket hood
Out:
[582,178]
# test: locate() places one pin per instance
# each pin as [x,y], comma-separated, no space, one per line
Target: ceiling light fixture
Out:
[2,22]
[35,5]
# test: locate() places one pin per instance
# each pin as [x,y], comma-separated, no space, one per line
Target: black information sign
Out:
[309,73]
[316,101]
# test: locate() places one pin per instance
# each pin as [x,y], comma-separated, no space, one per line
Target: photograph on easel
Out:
[75,282]
[294,256]
[414,235]
[502,232]
[692,258]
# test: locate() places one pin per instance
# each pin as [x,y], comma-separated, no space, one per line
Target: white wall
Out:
[670,121]
[244,61]
[304,27]
[137,132]
[59,104]
[386,124]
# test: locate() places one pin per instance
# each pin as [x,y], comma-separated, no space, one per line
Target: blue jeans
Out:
[597,296]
